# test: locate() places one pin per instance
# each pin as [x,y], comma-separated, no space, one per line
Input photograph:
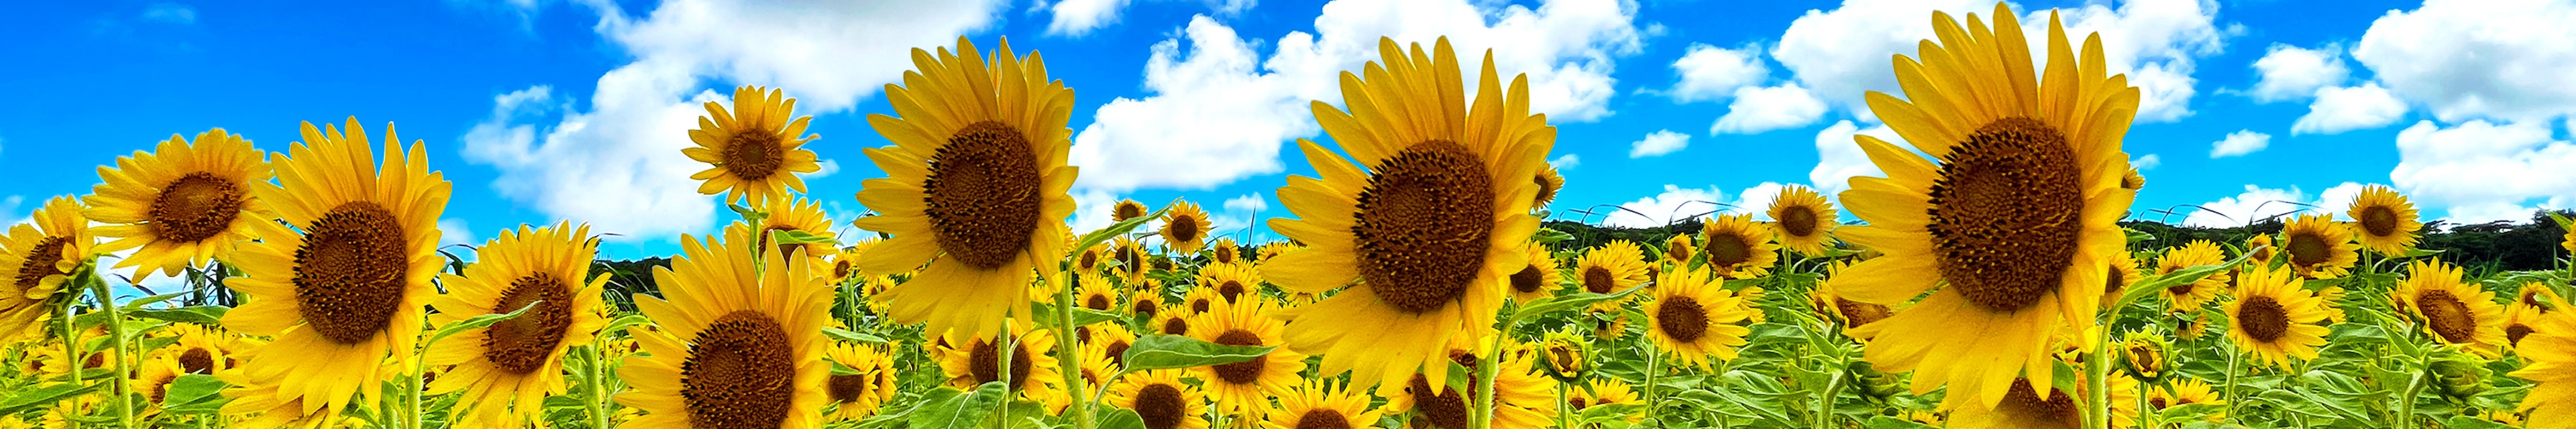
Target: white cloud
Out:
[1565,162]
[2340,109]
[2290,72]
[1212,119]
[2155,41]
[1756,200]
[1674,204]
[1758,110]
[2478,171]
[1091,210]
[171,13]
[1240,213]
[1078,17]
[2466,59]
[617,167]
[1658,143]
[2255,204]
[1844,53]
[829,167]
[2339,197]
[1839,158]
[1712,73]
[2148,162]
[2239,143]
[9,213]
[453,231]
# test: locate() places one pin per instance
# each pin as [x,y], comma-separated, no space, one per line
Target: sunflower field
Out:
[1986,284]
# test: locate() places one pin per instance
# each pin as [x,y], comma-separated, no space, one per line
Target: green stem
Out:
[2146,417]
[598,403]
[1652,357]
[116,343]
[1010,345]
[1825,403]
[2097,393]
[2229,392]
[1563,421]
[71,348]
[411,405]
[2405,416]
[1482,417]
[1071,363]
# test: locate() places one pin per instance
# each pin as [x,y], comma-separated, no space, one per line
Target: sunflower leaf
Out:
[792,236]
[1545,306]
[1117,418]
[207,315]
[852,336]
[194,393]
[1885,422]
[1173,351]
[1081,316]
[1114,230]
[41,396]
[950,409]
[1550,236]
[2151,285]
[138,303]
[476,322]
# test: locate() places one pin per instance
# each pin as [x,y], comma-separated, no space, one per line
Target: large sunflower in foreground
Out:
[2024,408]
[1426,235]
[857,396]
[2318,247]
[2383,221]
[1317,405]
[2275,317]
[1803,217]
[2454,312]
[2016,220]
[182,204]
[39,257]
[1185,228]
[2191,296]
[976,180]
[519,361]
[346,293]
[755,151]
[1736,247]
[1613,267]
[1247,386]
[2550,356]
[1161,399]
[1695,319]
[744,346]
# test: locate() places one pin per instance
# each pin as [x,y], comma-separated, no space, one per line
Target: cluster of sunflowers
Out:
[1987,286]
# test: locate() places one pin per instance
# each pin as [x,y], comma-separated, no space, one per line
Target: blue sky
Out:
[540,110]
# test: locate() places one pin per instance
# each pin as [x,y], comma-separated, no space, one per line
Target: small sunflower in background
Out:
[1828,301]
[793,213]
[972,361]
[2191,296]
[1523,398]
[1145,305]
[857,396]
[2520,319]
[39,256]
[2123,271]
[1093,258]
[744,347]
[2183,391]
[519,363]
[1736,247]
[755,150]
[152,379]
[1695,319]
[1539,279]
[2539,296]
[2455,312]
[1127,209]
[2318,247]
[1549,183]
[1611,268]
[1230,282]
[2383,220]
[200,349]
[845,267]
[1607,325]
[2259,249]
[2275,318]
[1113,340]
[1201,298]
[2133,181]
[1161,399]
[1185,228]
[1133,262]
[181,205]
[1677,250]
[1316,404]
[1093,292]
[1095,364]
[1224,250]
[2022,407]
[1604,391]
[1173,320]
[1803,219]
[1245,387]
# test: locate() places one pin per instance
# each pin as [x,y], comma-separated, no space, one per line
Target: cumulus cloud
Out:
[1756,200]
[1212,118]
[1673,205]
[2239,143]
[1091,209]
[1565,162]
[2340,109]
[1757,110]
[452,231]
[2148,162]
[1078,17]
[1839,158]
[2479,171]
[1658,143]
[2259,203]
[1712,73]
[1844,52]
[2465,59]
[1240,213]
[2290,72]
[170,13]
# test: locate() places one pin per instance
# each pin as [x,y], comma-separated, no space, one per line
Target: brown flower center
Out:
[1798,221]
[740,373]
[1246,372]
[754,154]
[2262,319]
[41,261]
[1161,406]
[2380,221]
[1127,210]
[846,388]
[2447,316]
[1727,250]
[1528,280]
[524,344]
[1183,229]
[195,207]
[1597,279]
[350,272]
[982,194]
[1323,418]
[984,363]
[1861,313]
[197,361]
[2006,212]
[2513,333]
[1681,318]
[1423,226]
[1098,302]
[1176,326]
[1230,289]
[2308,250]
[2025,405]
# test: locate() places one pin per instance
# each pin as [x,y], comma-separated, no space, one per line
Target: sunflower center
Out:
[2262,319]
[1144,308]
[753,154]
[1682,318]
[1199,305]
[1861,313]
[984,363]
[40,262]
[2114,280]
[2021,401]
[846,388]
[2158,402]
[1246,372]
[1546,189]
[1323,419]
[195,207]
[1161,406]
[841,269]
[2308,250]
[1176,326]
[1099,302]
[1798,221]
[1727,250]
[1597,280]
[1225,255]
[2380,221]
[1185,229]
[1128,210]
[2005,213]
[1446,410]
[161,389]
[783,246]
[2145,359]
[2513,333]
[1528,280]
[740,373]
[1230,289]
[523,344]
[2447,316]
[196,361]
[1090,259]
[349,272]
[1117,352]
[982,194]
[1423,226]
[2181,290]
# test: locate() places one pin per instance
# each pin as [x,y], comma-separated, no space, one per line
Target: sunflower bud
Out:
[2144,355]
[1876,384]
[2460,378]
[1564,356]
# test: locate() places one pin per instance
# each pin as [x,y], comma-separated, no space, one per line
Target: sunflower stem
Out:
[598,403]
[116,343]
[1825,402]
[71,347]
[1482,417]
[1652,357]
[1562,420]
[2097,393]
[2229,392]
[2146,417]
[1071,364]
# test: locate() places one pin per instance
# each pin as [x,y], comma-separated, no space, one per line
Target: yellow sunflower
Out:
[1736,247]
[1092,258]
[1125,209]
[1247,386]
[1112,340]
[2275,317]
[2184,391]
[1273,249]
[2519,320]
[1096,365]
[857,396]
[1803,218]
[755,149]
[1317,405]
[345,294]
[1161,399]
[1523,398]
[2455,312]
[2549,354]
[1132,262]
[744,347]
[2016,219]
[1677,250]
[1231,282]
[519,361]
[1201,298]
[1608,325]
[2191,296]
[39,256]
[182,204]
[2318,247]
[2539,296]
[153,379]
[2133,181]
[1549,182]
[2122,273]
[1185,228]
[1613,267]
[1828,301]
[1145,304]
[1223,250]
[972,361]
[2383,220]
[1695,319]
[1173,320]
[2023,408]
[200,349]
[1603,391]
[794,213]
[2260,249]
[976,179]
[1093,292]
[1539,278]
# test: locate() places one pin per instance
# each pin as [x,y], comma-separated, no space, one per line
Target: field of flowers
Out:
[1987,284]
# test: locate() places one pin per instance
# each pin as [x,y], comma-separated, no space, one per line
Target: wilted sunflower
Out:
[1125,209]
[2383,220]
[2454,312]
[1230,282]
[1161,399]
[1695,319]
[345,294]
[1736,247]
[976,179]
[519,361]
[1246,387]
[2275,317]
[2191,296]
[857,396]
[182,204]
[1549,182]
[1613,267]
[1425,236]
[793,213]
[1539,278]
[2318,247]
[1185,228]
[744,346]
[1319,405]
[39,257]
[2016,218]
[755,150]
[1803,218]
[1223,250]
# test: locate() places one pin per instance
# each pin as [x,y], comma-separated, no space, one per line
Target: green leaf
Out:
[622,322]
[41,396]
[138,303]
[839,369]
[798,236]
[1457,379]
[1551,236]
[1113,231]
[959,410]
[2467,422]
[1885,422]
[203,315]
[1081,316]
[1173,351]
[2151,285]
[477,322]
[1108,417]
[852,336]
[2420,252]
[194,394]
[1545,306]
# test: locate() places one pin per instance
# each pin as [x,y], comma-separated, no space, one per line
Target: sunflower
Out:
[1695,318]
[1608,325]
[1113,340]
[1161,399]
[1223,250]
[1096,365]
[40,255]
[2275,317]
[2539,296]
[2191,296]
[1245,386]
[1202,298]
[744,346]
[972,361]
[793,213]
[2318,247]
[1318,405]
[1145,304]
[1125,209]
[200,349]
[2549,354]
[2184,391]
[2383,220]
[1611,268]
[182,204]
[1173,320]
[845,267]
[1829,301]
[1230,282]
[1803,218]
[977,180]
[1737,248]
[1603,391]
[520,360]
[1185,228]
[1273,249]
[2454,312]
[1677,250]
[1132,261]
[2116,280]
[153,380]
[2016,218]
[2519,320]
[1093,292]
[2133,181]
[2259,249]
[1092,258]
[857,396]
[1549,182]
[752,149]
[1539,278]
[347,292]
[1523,398]
[2023,407]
